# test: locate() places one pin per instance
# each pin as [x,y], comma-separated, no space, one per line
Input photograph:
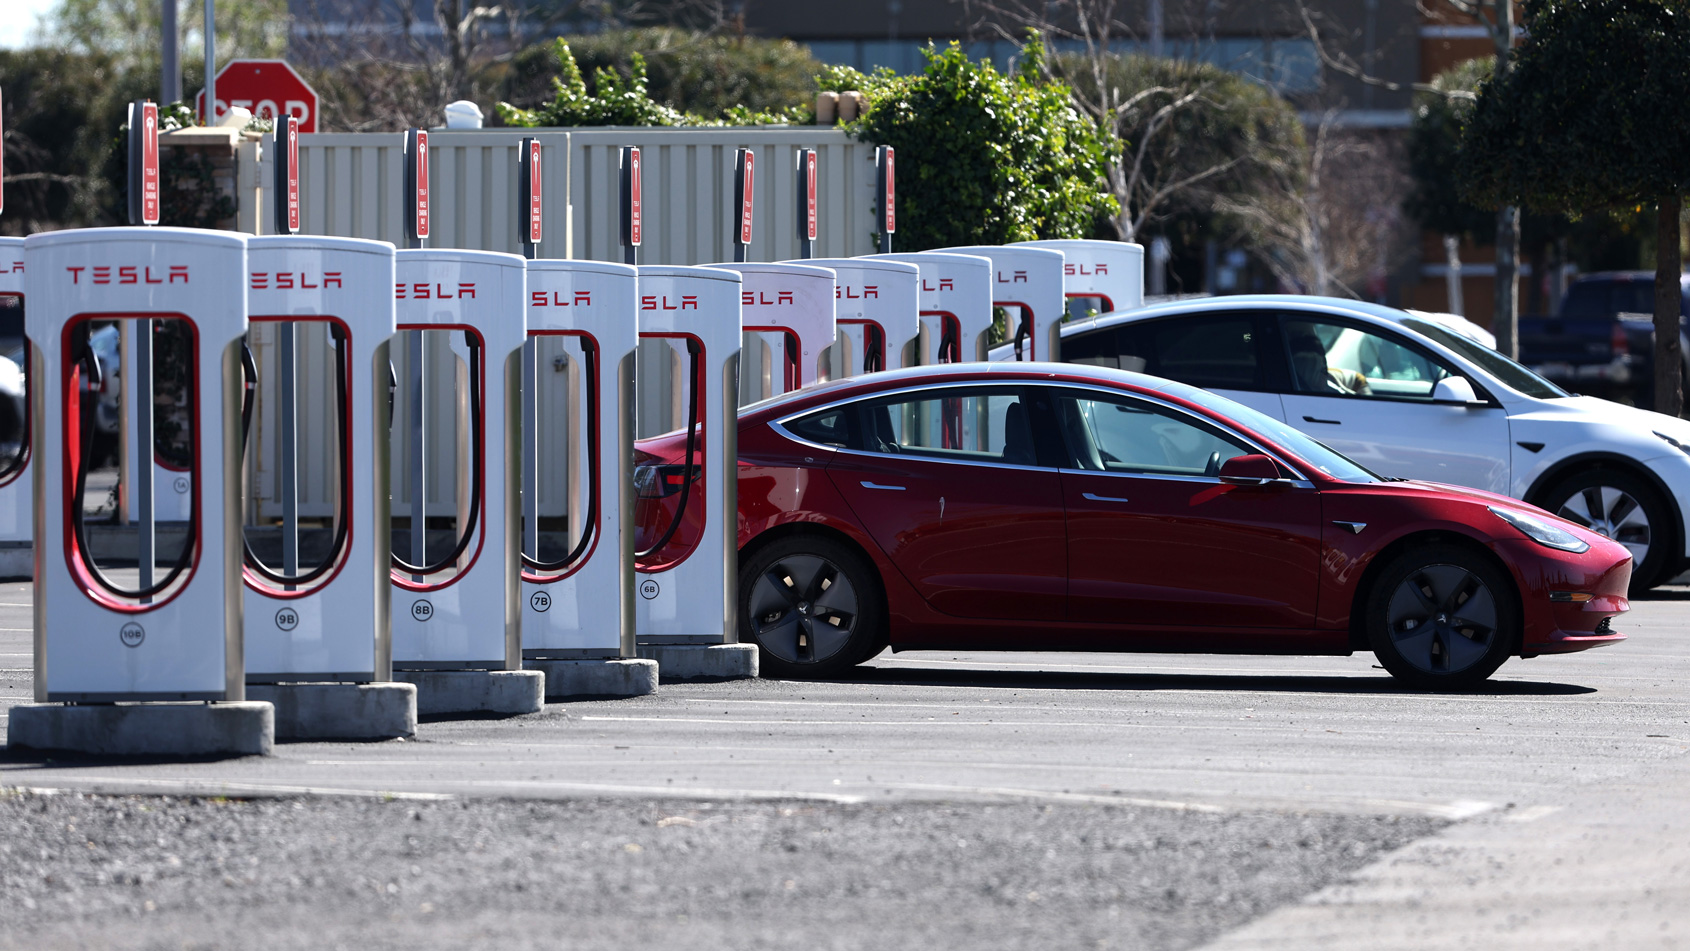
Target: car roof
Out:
[1234,302]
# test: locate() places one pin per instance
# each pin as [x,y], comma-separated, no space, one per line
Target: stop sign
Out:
[267,87]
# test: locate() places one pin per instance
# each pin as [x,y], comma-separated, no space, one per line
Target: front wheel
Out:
[812,606]
[1625,508]
[1442,617]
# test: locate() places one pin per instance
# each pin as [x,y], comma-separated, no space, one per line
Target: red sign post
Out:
[888,203]
[632,225]
[744,195]
[806,203]
[268,87]
[287,175]
[532,191]
[143,164]
[416,185]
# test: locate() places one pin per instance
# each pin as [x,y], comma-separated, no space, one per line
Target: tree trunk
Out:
[1506,323]
[1669,264]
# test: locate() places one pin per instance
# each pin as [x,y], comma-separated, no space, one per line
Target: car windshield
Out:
[1305,447]
[1512,374]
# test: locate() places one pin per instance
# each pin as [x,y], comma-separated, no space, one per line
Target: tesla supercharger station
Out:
[687,552]
[1101,276]
[787,312]
[16,497]
[1027,284]
[151,610]
[578,597]
[877,312]
[316,545]
[456,568]
[956,305]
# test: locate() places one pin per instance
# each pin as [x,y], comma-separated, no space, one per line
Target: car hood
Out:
[1598,420]
[1496,500]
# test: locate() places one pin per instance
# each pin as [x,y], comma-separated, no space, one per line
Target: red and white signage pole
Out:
[744,196]
[806,203]
[416,187]
[286,162]
[532,190]
[2,159]
[632,220]
[886,188]
[143,163]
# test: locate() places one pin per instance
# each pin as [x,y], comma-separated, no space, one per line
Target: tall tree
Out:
[1593,112]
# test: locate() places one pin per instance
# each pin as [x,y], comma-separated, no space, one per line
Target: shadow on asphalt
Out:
[23,759]
[914,676]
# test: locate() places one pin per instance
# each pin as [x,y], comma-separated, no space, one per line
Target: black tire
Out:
[812,605]
[1620,505]
[1442,617]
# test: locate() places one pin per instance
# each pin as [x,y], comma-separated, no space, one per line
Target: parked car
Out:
[1058,507]
[1410,399]
[1602,340]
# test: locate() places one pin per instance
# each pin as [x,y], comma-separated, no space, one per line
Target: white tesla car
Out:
[1412,399]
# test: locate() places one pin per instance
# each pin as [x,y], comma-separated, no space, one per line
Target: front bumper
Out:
[1562,627]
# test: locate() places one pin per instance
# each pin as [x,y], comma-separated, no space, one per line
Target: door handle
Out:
[1102,498]
[1330,422]
[876,485]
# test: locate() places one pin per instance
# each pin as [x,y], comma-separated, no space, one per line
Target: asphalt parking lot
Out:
[1182,801]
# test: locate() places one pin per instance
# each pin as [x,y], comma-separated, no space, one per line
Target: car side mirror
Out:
[1253,469]
[1456,390]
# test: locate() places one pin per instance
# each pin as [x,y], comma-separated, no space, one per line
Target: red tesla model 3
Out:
[1020,506]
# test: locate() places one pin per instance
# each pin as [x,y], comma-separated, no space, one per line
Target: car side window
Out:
[1329,358]
[1109,434]
[984,424]
[1095,348]
[830,427]
[1216,353]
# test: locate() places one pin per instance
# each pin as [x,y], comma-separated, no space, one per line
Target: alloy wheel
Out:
[1612,513]
[1442,619]
[804,609]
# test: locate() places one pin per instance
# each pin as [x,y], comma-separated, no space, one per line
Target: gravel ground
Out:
[141,872]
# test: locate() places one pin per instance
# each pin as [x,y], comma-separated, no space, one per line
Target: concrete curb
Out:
[340,711]
[445,692]
[632,677]
[246,728]
[678,663]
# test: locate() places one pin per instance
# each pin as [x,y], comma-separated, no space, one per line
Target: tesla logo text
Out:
[1017,277]
[560,299]
[14,267]
[752,298]
[661,302]
[945,284]
[848,292]
[1083,271]
[102,274]
[288,280]
[427,291]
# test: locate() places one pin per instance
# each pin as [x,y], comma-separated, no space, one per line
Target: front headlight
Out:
[1542,532]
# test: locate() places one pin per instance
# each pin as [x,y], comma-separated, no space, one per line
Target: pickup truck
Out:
[1602,341]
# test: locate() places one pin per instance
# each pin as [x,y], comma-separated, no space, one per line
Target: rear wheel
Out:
[1442,617]
[812,606]
[1625,508]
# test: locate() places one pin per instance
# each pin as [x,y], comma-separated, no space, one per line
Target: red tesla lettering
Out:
[843,290]
[127,275]
[747,298]
[648,303]
[783,297]
[331,278]
[149,276]
[466,290]
[399,291]
[1020,277]
[666,303]
[304,286]
[260,282]
[871,290]
[583,298]
[284,280]
[419,292]
[945,284]
[1068,270]
[75,274]
[178,271]
[1100,269]
[102,275]
[689,301]
[536,298]
[16,268]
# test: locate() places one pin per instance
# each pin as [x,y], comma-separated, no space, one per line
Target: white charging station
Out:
[16,397]
[877,308]
[1101,276]
[788,323]
[457,622]
[121,618]
[687,542]
[1027,284]
[316,542]
[956,305]
[578,583]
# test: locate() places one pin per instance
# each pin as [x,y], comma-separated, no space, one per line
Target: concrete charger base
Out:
[446,692]
[610,677]
[327,711]
[243,728]
[677,663]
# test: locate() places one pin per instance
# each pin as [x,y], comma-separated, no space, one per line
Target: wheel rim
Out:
[1442,619]
[1612,513]
[803,609]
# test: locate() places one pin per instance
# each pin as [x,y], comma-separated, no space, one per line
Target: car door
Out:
[952,486]
[1367,393]
[1155,538]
